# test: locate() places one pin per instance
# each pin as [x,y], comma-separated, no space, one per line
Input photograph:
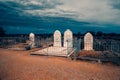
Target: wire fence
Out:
[107,44]
[40,42]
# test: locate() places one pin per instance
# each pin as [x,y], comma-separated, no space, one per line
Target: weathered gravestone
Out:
[32,40]
[88,41]
[68,39]
[57,39]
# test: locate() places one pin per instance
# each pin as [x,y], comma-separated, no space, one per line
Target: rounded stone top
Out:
[68,31]
[57,32]
[31,35]
[88,34]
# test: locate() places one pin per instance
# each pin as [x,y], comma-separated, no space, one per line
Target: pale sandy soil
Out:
[20,65]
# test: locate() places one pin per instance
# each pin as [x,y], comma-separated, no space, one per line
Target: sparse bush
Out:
[28,47]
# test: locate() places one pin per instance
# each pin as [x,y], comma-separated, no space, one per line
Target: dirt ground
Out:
[20,65]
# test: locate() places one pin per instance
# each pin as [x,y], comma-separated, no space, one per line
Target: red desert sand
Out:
[20,65]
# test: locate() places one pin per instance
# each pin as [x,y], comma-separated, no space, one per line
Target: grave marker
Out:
[68,39]
[88,41]
[57,39]
[32,40]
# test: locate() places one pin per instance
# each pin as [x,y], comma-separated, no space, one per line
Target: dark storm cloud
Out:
[31,5]
[15,18]
[12,12]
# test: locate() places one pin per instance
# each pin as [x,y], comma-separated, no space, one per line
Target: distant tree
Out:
[2,32]
[78,34]
[99,33]
[112,34]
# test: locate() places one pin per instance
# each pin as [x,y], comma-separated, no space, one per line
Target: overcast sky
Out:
[45,16]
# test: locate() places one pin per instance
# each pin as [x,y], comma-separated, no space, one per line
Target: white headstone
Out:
[32,40]
[88,41]
[68,38]
[57,39]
